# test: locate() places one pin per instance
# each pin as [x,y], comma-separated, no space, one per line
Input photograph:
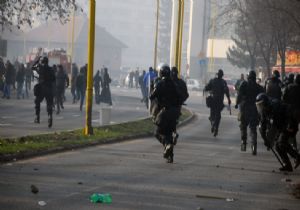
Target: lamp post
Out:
[156,34]
[176,34]
[89,90]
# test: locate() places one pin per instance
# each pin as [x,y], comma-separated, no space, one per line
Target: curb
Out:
[31,154]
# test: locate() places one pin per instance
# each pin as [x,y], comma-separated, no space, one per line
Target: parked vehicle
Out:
[193,84]
[231,86]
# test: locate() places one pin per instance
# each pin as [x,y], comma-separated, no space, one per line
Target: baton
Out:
[229,108]
[277,157]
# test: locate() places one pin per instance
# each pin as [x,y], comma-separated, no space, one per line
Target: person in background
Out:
[105,92]
[97,83]
[8,79]
[74,75]
[273,86]
[217,88]
[81,86]
[20,78]
[44,88]
[28,77]
[148,79]
[246,98]
[62,81]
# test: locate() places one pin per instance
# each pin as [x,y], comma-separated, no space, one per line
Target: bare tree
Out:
[273,23]
[22,12]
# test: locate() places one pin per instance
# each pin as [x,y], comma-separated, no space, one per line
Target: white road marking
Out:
[8,117]
[5,125]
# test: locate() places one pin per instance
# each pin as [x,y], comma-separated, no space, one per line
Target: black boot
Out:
[175,137]
[171,158]
[297,162]
[287,167]
[243,146]
[168,151]
[215,132]
[37,119]
[50,122]
[254,149]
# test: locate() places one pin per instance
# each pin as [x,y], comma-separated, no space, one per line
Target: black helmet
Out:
[291,78]
[45,60]
[164,70]
[174,71]
[220,73]
[276,74]
[297,79]
[262,102]
[252,75]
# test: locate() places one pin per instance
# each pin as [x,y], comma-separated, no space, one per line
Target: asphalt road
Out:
[208,173]
[17,116]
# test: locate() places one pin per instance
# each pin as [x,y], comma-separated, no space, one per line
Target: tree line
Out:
[263,29]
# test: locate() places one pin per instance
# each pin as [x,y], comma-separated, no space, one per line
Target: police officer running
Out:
[217,88]
[165,119]
[273,85]
[183,95]
[292,98]
[246,98]
[275,129]
[44,89]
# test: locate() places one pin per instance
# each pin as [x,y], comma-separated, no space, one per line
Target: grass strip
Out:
[76,138]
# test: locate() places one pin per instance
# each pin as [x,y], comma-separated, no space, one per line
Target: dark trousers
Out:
[215,115]
[59,98]
[249,117]
[40,93]
[283,147]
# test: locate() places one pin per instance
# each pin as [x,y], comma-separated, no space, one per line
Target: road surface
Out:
[208,173]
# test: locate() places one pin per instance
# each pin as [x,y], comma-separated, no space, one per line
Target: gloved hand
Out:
[229,101]
[236,106]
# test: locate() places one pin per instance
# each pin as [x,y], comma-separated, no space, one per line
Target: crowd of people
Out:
[275,108]
[50,83]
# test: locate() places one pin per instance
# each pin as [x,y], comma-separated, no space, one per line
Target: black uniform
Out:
[217,88]
[165,94]
[44,89]
[248,113]
[74,75]
[291,96]
[105,92]
[274,128]
[62,81]
[273,87]
[183,95]
[97,82]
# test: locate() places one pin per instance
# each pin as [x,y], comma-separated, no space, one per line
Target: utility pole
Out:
[156,34]
[89,90]
[176,34]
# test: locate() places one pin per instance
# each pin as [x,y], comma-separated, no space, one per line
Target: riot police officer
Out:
[44,89]
[217,88]
[274,85]
[275,129]
[291,96]
[167,106]
[183,95]
[248,113]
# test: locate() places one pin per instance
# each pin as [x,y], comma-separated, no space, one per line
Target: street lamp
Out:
[88,130]
[176,34]
[156,34]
